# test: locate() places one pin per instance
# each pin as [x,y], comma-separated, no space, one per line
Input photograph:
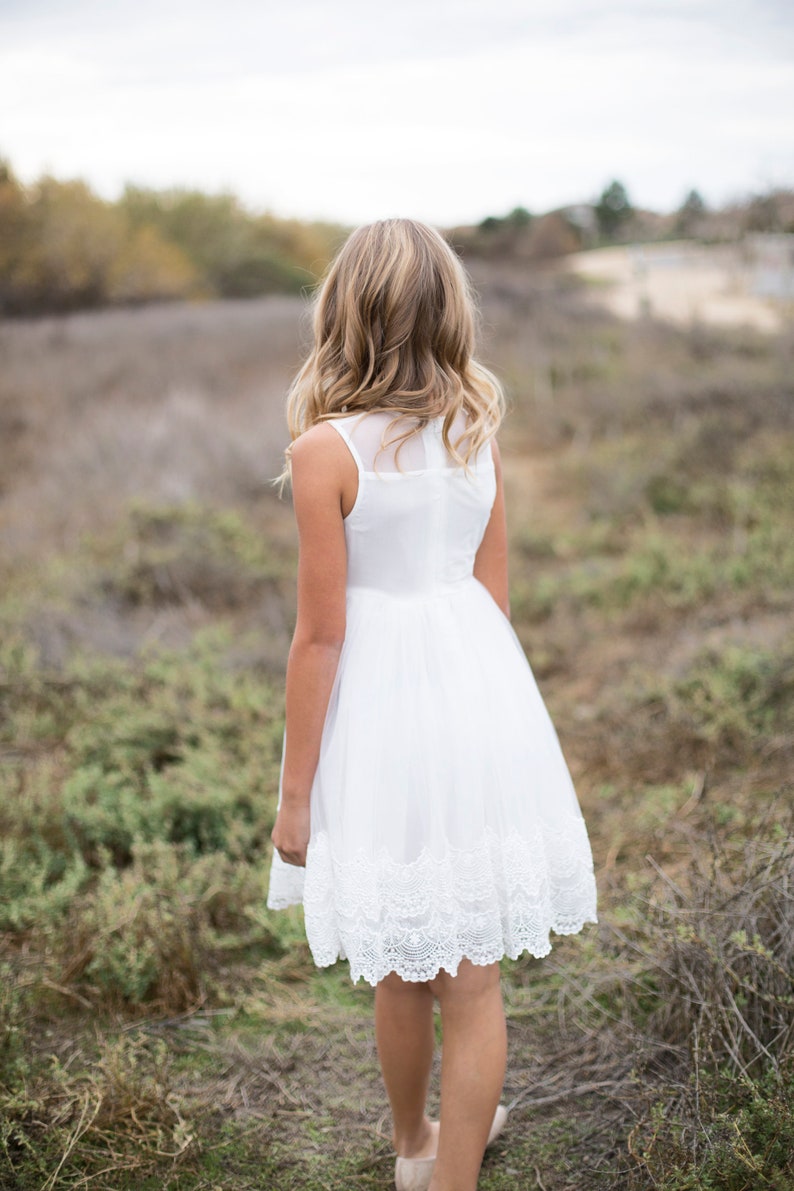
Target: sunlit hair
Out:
[394,330]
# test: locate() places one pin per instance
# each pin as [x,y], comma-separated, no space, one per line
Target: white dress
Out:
[444,822]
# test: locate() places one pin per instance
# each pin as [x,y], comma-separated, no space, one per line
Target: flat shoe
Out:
[414,1174]
[498,1123]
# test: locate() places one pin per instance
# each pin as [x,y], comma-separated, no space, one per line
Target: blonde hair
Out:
[394,330]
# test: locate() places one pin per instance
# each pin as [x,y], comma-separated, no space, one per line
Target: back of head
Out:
[394,329]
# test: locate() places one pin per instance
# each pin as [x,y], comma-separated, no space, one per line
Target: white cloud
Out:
[444,112]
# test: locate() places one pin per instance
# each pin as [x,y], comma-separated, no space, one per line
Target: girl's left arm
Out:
[490,564]
[319,475]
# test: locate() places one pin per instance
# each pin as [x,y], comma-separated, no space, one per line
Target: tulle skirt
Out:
[444,820]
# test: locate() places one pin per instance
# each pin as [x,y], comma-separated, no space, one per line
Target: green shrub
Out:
[721,1136]
[182,554]
[667,493]
[735,697]
[157,932]
[106,1115]
[37,883]
[135,850]
[13,1062]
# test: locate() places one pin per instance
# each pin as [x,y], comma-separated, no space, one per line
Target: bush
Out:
[136,850]
[71,250]
[62,248]
[728,703]
[724,963]
[720,958]
[117,1115]
[720,1136]
[13,1063]
[154,933]
[185,554]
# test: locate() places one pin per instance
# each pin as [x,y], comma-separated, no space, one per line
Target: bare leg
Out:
[406,1041]
[473,1063]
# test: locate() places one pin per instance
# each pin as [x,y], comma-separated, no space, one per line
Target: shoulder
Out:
[321,447]
[321,467]
[315,442]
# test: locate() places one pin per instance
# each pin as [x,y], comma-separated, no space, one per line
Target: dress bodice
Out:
[419,517]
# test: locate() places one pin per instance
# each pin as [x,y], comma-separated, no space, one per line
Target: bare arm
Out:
[320,474]
[490,564]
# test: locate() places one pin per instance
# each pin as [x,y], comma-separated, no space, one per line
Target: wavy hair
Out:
[394,327]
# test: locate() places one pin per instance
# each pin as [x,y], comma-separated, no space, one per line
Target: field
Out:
[159,1028]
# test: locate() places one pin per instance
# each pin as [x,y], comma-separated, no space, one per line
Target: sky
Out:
[442,110]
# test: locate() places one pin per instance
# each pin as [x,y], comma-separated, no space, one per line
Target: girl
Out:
[427,819]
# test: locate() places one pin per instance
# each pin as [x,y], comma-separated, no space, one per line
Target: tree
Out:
[148,267]
[239,254]
[16,237]
[78,237]
[690,214]
[762,214]
[519,217]
[613,210]
[63,248]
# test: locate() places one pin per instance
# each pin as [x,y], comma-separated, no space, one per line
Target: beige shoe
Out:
[498,1123]
[414,1174]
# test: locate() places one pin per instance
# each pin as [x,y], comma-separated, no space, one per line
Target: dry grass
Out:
[170,404]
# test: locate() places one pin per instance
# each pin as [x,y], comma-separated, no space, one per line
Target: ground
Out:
[686,282]
[158,1027]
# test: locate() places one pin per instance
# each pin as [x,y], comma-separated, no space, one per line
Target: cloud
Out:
[444,111]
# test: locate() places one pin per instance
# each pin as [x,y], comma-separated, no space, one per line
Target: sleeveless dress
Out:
[444,821]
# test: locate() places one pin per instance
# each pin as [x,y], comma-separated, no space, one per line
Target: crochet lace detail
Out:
[498,899]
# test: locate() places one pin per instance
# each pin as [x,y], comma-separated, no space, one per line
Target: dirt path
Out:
[682,282]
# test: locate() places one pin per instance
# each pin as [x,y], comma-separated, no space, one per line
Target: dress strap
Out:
[341,426]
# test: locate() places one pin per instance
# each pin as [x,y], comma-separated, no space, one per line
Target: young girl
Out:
[427,819]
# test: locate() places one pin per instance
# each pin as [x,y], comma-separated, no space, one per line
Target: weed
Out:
[120,1115]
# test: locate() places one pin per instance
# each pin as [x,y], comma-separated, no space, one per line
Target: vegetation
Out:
[691,214]
[63,248]
[613,211]
[158,1027]
[613,219]
[237,254]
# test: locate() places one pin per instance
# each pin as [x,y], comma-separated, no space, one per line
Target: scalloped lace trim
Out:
[498,899]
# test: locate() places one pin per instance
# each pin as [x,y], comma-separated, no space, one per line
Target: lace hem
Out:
[498,899]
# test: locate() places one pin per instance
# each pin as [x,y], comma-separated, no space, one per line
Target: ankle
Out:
[419,1143]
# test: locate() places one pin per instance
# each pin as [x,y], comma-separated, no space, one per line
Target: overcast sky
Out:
[444,111]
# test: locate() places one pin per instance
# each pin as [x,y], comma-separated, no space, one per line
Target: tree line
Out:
[613,218]
[64,248]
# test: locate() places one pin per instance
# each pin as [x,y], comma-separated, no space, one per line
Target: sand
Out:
[682,282]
